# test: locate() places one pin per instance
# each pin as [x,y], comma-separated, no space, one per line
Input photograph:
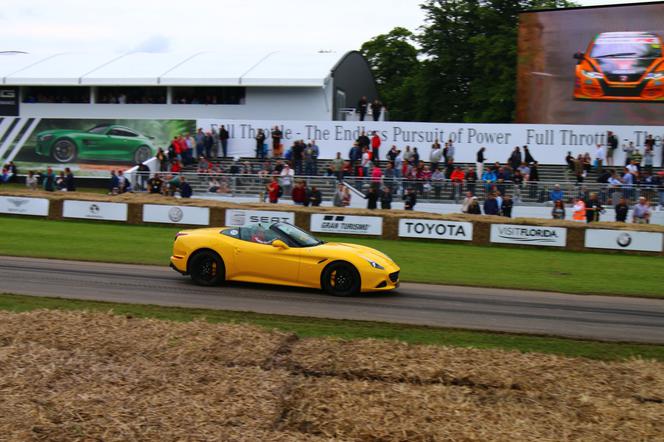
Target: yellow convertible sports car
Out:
[281,253]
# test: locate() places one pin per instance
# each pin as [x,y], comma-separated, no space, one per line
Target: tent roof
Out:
[170,69]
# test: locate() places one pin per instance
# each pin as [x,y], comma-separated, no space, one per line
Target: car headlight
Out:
[375,265]
[46,137]
[655,76]
[591,74]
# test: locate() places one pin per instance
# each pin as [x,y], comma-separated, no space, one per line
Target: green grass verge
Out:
[315,327]
[428,262]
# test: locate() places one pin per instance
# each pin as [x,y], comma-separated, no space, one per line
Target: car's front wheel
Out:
[207,268]
[341,279]
[64,151]
[142,154]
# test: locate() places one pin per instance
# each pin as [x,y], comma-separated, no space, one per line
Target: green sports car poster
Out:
[94,146]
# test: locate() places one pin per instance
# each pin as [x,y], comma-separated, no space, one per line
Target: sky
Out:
[256,26]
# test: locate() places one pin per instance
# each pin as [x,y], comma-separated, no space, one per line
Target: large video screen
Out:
[596,65]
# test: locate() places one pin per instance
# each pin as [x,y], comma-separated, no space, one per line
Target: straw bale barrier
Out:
[99,376]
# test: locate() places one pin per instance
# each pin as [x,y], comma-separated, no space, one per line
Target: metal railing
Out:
[444,190]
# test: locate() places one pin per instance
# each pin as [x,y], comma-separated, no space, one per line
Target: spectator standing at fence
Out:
[113,185]
[372,198]
[362,106]
[337,165]
[457,178]
[579,210]
[70,185]
[556,194]
[163,161]
[491,205]
[376,109]
[273,190]
[506,207]
[155,184]
[299,193]
[337,198]
[474,207]
[31,181]
[648,158]
[185,188]
[593,208]
[410,199]
[375,146]
[558,211]
[637,158]
[385,198]
[465,204]
[200,143]
[471,179]
[366,161]
[363,141]
[314,197]
[641,212]
[223,140]
[287,176]
[621,210]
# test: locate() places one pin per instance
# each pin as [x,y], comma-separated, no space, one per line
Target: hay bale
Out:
[366,410]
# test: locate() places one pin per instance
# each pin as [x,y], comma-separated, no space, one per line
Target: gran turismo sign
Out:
[347,224]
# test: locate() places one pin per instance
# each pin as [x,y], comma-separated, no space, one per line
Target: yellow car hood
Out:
[340,249]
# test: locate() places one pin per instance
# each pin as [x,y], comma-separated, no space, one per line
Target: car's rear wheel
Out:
[64,151]
[207,268]
[142,154]
[340,279]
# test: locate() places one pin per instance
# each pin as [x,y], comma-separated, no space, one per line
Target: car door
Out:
[121,143]
[257,262]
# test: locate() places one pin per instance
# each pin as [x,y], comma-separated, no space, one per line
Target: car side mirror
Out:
[279,244]
[579,56]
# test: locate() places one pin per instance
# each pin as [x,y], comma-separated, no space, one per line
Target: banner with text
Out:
[548,144]
[158,213]
[355,225]
[529,235]
[624,240]
[428,228]
[95,210]
[239,218]
[15,205]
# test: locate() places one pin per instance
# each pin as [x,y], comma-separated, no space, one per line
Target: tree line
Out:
[460,66]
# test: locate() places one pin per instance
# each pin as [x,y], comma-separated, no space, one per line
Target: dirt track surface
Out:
[590,317]
[96,376]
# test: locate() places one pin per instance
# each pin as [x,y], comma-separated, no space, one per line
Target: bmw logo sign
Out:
[175,214]
[624,239]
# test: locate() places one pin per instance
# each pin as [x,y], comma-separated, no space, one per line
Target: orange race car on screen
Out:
[619,66]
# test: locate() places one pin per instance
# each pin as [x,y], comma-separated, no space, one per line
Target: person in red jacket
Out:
[299,193]
[273,190]
[457,177]
[375,146]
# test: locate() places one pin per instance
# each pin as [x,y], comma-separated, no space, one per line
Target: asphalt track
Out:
[588,317]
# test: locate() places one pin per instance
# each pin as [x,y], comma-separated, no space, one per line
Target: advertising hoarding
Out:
[239,218]
[347,224]
[15,205]
[432,229]
[529,235]
[97,210]
[159,213]
[624,240]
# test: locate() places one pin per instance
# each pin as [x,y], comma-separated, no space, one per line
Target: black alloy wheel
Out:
[142,154]
[207,268]
[341,279]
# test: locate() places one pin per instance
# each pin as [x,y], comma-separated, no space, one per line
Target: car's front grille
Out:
[624,78]
[394,277]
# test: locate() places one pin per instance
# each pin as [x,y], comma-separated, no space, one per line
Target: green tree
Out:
[467,61]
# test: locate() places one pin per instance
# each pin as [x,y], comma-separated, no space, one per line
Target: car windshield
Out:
[297,235]
[608,49]
[98,130]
